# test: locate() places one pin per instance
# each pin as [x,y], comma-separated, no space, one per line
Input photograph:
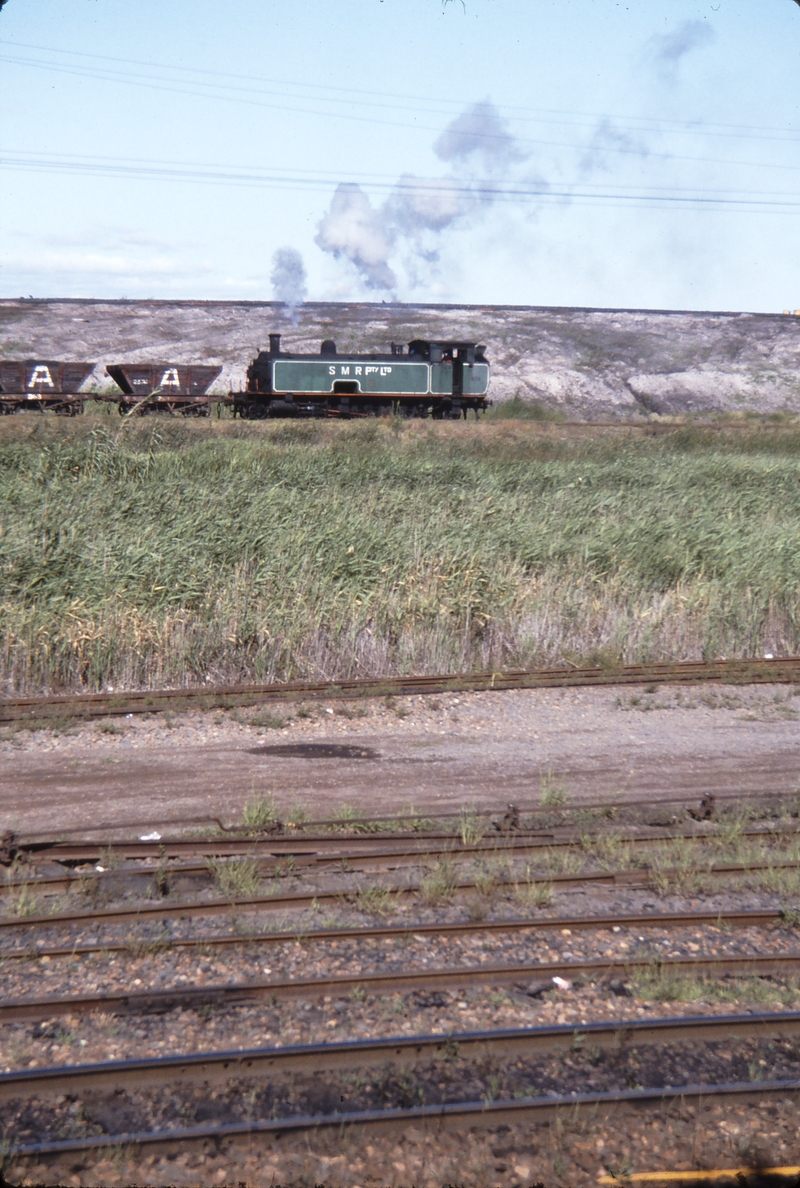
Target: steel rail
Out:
[349,829]
[331,848]
[638,877]
[746,671]
[324,849]
[458,1115]
[214,907]
[347,1054]
[308,898]
[744,919]
[396,982]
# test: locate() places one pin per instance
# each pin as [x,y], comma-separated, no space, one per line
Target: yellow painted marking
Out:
[673,1177]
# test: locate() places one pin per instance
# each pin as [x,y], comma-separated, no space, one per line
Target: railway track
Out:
[362,829]
[298,861]
[332,846]
[199,874]
[458,928]
[321,849]
[87,705]
[274,902]
[523,981]
[370,1053]
[536,974]
[459,1115]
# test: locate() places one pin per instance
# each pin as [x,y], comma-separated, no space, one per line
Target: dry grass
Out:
[533,894]
[471,827]
[348,818]
[552,791]
[235,877]
[264,720]
[561,860]
[22,901]
[260,815]
[437,886]
[178,553]
[657,984]
[376,900]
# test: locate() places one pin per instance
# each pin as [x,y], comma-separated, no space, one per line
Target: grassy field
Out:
[168,552]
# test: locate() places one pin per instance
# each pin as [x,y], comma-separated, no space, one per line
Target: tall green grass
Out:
[176,553]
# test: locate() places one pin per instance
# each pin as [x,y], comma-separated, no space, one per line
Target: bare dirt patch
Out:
[435,754]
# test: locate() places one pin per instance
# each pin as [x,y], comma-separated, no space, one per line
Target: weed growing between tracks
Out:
[376,900]
[260,815]
[471,827]
[552,791]
[533,895]
[167,553]
[347,818]
[235,877]
[22,902]
[437,886]
[664,985]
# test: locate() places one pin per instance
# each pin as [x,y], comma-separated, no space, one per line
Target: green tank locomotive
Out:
[443,380]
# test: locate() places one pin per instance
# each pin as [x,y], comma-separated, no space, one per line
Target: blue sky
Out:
[568,152]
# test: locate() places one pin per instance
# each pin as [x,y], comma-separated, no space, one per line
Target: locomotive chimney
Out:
[328,347]
[274,344]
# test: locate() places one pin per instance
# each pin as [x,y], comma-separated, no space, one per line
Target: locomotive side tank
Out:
[430,379]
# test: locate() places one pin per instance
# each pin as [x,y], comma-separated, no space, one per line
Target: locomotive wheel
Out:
[250,411]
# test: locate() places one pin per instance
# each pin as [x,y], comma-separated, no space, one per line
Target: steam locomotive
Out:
[443,380]
[437,379]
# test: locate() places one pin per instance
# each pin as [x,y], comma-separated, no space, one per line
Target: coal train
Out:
[439,379]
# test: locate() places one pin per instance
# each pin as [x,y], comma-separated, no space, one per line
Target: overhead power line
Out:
[432,104]
[228,93]
[605,147]
[478,191]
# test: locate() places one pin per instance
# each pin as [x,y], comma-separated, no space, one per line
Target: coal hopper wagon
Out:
[444,380]
[42,385]
[163,387]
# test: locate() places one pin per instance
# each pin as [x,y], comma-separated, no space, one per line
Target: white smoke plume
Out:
[420,204]
[354,229]
[479,132]
[669,49]
[475,144]
[605,142]
[288,279]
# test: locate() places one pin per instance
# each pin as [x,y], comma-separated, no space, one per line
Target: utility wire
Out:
[410,183]
[478,192]
[691,127]
[603,147]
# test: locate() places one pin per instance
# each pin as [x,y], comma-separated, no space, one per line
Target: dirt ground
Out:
[434,753]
